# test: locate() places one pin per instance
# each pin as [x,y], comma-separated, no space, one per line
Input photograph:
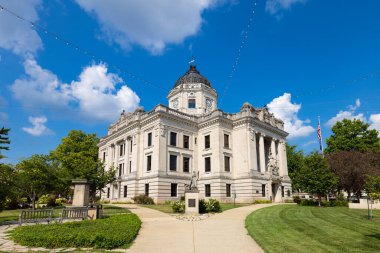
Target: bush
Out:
[60,201]
[109,233]
[178,206]
[334,203]
[213,206]
[262,201]
[289,201]
[297,199]
[308,202]
[143,200]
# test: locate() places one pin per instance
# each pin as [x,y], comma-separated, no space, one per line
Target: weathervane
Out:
[192,62]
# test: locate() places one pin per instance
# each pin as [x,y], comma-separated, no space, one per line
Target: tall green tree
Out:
[372,186]
[4,140]
[316,177]
[36,176]
[296,161]
[352,135]
[7,177]
[78,159]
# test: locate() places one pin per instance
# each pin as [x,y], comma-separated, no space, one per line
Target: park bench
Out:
[36,216]
[73,214]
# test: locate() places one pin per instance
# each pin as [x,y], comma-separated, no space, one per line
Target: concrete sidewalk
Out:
[224,232]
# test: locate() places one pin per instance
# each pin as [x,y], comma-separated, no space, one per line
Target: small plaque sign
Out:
[191,203]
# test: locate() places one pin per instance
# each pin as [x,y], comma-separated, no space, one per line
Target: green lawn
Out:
[292,228]
[9,215]
[168,208]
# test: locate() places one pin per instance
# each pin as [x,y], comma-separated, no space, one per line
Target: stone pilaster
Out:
[262,153]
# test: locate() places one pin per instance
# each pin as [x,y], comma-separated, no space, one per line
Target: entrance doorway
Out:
[276,195]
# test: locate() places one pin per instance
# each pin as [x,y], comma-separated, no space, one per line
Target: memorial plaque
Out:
[191,202]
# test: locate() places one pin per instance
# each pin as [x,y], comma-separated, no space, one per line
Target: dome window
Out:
[191,103]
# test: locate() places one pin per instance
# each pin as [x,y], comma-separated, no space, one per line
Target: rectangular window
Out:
[226,141]
[108,192]
[227,163]
[173,139]
[228,190]
[185,141]
[120,169]
[146,189]
[207,141]
[191,103]
[130,151]
[207,190]
[149,163]
[104,156]
[121,148]
[288,192]
[282,191]
[186,164]
[125,191]
[149,139]
[173,190]
[130,166]
[173,162]
[207,164]
[263,190]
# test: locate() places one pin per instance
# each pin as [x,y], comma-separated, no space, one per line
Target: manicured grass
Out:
[116,231]
[10,215]
[165,208]
[292,228]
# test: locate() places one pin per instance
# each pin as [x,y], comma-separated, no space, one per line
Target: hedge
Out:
[109,233]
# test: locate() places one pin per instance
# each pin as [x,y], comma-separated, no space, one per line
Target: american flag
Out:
[320,135]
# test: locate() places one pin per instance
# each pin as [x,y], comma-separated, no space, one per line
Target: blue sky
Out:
[302,58]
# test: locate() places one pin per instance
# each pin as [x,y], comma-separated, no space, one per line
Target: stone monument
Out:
[192,195]
[81,192]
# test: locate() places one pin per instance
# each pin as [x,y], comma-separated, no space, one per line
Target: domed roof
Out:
[192,76]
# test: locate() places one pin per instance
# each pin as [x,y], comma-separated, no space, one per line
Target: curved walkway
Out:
[160,232]
[224,232]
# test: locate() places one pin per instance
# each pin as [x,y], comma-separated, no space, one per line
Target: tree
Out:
[78,159]
[36,176]
[295,164]
[316,177]
[4,139]
[352,169]
[372,186]
[352,135]
[6,183]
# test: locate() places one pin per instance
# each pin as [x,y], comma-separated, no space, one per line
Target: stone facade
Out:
[239,155]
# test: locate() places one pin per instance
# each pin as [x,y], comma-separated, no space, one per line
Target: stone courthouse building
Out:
[240,155]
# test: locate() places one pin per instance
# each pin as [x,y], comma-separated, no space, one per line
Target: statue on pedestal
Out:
[193,182]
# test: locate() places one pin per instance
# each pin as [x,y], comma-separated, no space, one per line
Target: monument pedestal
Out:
[192,201]
[81,192]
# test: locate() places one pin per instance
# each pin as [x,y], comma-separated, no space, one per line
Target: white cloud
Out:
[375,122]
[348,114]
[16,35]
[284,109]
[275,6]
[93,97]
[151,25]
[309,143]
[38,126]
[3,118]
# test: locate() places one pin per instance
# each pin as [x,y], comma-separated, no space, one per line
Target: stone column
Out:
[252,153]
[285,161]
[262,153]
[280,159]
[273,148]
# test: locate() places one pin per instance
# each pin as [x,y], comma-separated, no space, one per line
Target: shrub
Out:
[182,198]
[113,232]
[213,206]
[102,201]
[297,199]
[60,201]
[143,200]
[202,206]
[178,206]
[262,201]
[11,204]
[44,199]
[308,202]
[334,203]
[289,201]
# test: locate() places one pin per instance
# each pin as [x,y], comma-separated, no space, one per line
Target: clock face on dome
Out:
[175,103]
[209,102]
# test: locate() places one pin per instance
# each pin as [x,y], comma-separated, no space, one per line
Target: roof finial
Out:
[192,62]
